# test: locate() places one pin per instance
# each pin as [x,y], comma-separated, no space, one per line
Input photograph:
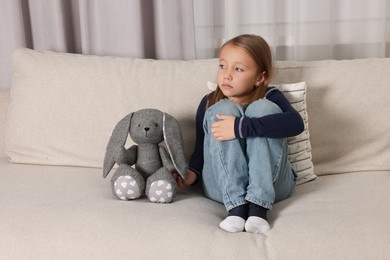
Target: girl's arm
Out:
[196,161]
[281,125]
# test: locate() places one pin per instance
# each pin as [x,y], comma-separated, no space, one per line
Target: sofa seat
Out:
[55,212]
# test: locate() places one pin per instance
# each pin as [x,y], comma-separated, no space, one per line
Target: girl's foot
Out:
[256,225]
[257,221]
[233,224]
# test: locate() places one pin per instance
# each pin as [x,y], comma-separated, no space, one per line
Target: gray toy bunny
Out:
[152,174]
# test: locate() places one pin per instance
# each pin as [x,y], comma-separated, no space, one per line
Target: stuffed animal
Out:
[153,169]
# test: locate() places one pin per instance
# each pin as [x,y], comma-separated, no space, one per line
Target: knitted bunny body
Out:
[153,165]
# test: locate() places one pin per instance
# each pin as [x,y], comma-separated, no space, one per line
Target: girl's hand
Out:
[191,177]
[223,129]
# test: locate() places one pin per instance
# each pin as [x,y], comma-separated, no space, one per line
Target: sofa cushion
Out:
[64,106]
[348,104]
[70,213]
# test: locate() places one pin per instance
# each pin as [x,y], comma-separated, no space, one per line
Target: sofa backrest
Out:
[64,106]
[348,102]
[4,100]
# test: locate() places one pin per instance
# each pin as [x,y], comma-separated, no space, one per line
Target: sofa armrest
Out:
[4,101]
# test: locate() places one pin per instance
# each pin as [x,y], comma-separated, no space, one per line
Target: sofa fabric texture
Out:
[56,120]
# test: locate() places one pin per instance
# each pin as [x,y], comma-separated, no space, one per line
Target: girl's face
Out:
[237,74]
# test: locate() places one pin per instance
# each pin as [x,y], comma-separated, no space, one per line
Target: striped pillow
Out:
[299,147]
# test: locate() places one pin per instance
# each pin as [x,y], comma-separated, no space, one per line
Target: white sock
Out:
[232,224]
[256,225]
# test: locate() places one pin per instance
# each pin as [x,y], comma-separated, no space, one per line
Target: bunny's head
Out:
[148,126]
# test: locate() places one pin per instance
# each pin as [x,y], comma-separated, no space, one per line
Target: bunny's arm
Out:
[127,156]
[165,159]
[119,155]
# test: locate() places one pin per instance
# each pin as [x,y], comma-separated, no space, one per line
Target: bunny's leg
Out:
[127,183]
[161,187]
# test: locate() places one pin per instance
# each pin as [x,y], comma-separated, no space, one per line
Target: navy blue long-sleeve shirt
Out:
[286,124]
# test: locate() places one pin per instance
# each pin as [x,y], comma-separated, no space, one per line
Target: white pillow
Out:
[63,107]
[299,146]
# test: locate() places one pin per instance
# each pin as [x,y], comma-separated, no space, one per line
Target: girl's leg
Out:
[225,171]
[270,173]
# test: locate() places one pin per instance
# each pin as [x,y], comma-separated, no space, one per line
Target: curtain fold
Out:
[298,29]
[188,29]
[155,29]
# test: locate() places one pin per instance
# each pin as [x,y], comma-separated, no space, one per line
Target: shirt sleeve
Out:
[286,124]
[196,160]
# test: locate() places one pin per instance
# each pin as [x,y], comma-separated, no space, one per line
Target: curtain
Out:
[158,29]
[298,29]
[194,29]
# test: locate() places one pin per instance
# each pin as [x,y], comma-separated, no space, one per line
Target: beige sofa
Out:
[56,120]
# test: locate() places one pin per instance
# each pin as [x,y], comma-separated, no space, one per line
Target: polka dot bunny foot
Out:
[126,188]
[160,191]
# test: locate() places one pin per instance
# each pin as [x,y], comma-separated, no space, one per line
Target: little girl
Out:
[241,153]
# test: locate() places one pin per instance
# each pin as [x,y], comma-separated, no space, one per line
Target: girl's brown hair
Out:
[261,53]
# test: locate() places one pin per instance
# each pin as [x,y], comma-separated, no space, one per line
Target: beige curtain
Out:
[298,29]
[188,29]
[159,29]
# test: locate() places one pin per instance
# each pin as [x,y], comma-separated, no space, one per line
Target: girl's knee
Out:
[226,107]
[262,107]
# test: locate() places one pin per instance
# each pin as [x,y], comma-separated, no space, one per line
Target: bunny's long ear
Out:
[117,140]
[174,142]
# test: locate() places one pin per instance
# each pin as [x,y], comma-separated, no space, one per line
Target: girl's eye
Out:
[239,70]
[221,66]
